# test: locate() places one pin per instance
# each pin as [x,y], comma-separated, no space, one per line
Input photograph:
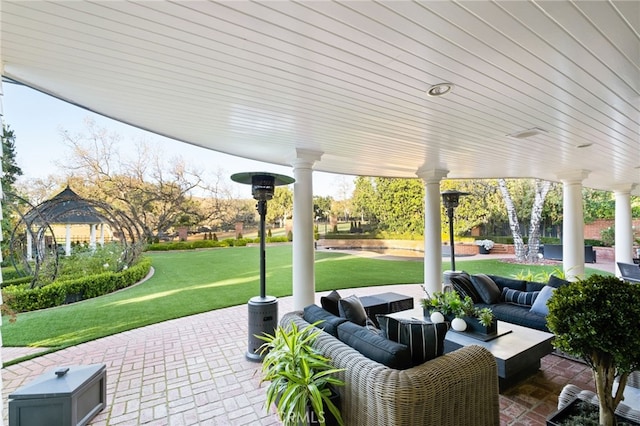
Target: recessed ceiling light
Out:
[584,145]
[522,134]
[440,89]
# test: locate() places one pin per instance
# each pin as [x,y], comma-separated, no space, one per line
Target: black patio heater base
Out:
[263,318]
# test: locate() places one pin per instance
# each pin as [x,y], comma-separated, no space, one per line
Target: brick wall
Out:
[592,230]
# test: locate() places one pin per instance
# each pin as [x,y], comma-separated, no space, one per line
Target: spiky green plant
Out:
[299,375]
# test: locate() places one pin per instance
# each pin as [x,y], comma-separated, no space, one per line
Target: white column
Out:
[67,242]
[1,199]
[92,236]
[623,226]
[29,244]
[573,224]
[432,229]
[304,284]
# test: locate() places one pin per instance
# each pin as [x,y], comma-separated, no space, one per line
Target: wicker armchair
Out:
[456,389]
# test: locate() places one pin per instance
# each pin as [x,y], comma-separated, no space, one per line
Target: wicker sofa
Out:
[522,313]
[456,389]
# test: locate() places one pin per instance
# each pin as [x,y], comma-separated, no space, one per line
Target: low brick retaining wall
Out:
[364,244]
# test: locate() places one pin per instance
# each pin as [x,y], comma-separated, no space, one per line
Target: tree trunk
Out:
[513,221]
[604,375]
[541,190]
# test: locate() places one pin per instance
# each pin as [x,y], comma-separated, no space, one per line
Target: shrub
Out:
[20,298]
[16,281]
[608,236]
[597,319]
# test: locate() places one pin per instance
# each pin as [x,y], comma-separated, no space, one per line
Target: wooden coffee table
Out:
[517,353]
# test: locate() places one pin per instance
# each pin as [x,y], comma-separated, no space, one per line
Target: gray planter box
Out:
[62,396]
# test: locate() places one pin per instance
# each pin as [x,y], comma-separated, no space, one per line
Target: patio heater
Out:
[450,199]
[263,309]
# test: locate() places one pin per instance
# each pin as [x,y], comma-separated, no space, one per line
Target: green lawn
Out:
[190,282]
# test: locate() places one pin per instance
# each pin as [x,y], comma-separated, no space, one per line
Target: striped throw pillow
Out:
[425,340]
[517,297]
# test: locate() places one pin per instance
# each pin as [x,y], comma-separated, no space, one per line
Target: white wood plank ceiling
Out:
[350,80]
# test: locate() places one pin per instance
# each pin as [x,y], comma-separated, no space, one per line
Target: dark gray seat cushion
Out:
[519,315]
[512,283]
[330,322]
[377,348]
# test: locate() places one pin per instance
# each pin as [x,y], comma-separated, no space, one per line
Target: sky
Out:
[37,120]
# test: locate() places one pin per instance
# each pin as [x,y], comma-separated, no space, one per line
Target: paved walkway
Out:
[188,371]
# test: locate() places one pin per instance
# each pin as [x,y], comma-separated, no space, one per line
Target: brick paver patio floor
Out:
[193,371]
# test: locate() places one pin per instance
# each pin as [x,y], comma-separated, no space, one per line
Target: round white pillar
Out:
[92,236]
[623,227]
[28,233]
[432,229]
[304,284]
[573,225]
[67,242]
[29,244]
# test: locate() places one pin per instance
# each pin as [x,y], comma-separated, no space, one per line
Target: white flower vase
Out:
[437,317]
[458,324]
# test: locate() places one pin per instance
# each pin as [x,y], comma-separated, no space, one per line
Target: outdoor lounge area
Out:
[194,371]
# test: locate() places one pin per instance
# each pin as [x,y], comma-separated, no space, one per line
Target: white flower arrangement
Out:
[487,244]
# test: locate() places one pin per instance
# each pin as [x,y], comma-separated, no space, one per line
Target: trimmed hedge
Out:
[16,281]
[20,298]
[229,242]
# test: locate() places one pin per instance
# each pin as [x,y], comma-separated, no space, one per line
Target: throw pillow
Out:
[351,308]
[425,340]
[517,297]
[330,302]
[540,305]
[486,288]
[463,285]
[556,282]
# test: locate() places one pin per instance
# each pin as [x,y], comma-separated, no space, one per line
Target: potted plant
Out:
[597,320]
[452,307]
[301,379]
[485,246]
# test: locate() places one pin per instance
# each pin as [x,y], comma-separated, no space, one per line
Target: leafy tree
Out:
[400,205]
[10,168]
[322,207]
[280,207]
[11,171]
[153,192]
[553,210]
[598,204]
[480,206]
[597,319]
[364,198]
